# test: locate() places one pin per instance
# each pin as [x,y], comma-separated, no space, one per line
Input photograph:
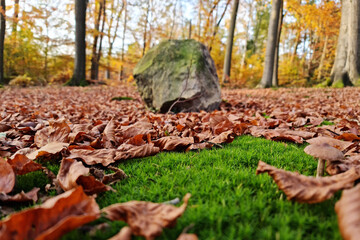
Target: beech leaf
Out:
[308,189]
[7,177]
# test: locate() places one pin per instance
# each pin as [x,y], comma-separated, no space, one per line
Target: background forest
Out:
[39,39]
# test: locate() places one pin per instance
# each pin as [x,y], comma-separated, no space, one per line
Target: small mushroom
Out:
[323,152]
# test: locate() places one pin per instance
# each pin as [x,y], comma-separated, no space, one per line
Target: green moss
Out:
[229,201]
[337,84]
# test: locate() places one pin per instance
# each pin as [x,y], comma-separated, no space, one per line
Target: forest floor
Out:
[80,136]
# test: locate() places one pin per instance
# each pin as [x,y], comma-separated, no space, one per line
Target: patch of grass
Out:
[121,98]
[228,200]
[326,123]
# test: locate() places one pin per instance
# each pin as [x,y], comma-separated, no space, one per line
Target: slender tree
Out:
[94,57]
[275,78]
[2,40]
[229,44]
[346,68]
[267,77]
[121,75]
[79,76]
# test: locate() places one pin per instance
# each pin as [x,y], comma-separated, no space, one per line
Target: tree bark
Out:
[94,56]
[121,75]
[2,40]
[275,78]
[323,55]
[229,44]
[145,27]
[99,53]
[267,77]
[347,63]
[79,76]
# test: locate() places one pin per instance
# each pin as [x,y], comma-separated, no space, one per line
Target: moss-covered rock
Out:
[178,69]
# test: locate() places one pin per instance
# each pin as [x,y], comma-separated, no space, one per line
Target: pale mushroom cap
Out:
[324,151]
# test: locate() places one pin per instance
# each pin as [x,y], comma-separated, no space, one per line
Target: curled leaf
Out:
[49,149]
[52,219]
[58,131]
[69,172]
[91,157]
[91,185]
[21,197]
[23,165]
[308,189]
[173,143]
[146,218]
[7,177]
[137,152]
[348,212]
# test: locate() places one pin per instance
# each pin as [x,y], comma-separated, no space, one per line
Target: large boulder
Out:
[178,70]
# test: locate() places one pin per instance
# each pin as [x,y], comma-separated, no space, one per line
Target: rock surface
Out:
[178,69]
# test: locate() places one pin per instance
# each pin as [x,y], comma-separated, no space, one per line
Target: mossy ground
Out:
[228,200]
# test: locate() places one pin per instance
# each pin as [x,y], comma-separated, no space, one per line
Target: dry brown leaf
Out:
[91,185]
[108,137]
[340,166]
[173,143]
[187,236]
[49,149]
[118,175]
[91,157]
[308,189]
[348,213]
[146,219]
[58,131]
[124,234]
[7,177]
[21,197]
[137,152]
[23,165]
[53,218]
[69,172]
[225,137]
[348,137]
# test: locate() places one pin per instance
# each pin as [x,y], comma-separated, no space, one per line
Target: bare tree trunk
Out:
[275,78]
[2,40]
[79,76]
[216,28]
[145,28]
[99,53]
[229,44]
[346,67]
[323,55]
[121,75]
[189,37]
[266,80]
[94,56]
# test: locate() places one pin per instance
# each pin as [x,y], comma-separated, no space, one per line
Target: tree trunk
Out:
[16,17]
[346,67]
[145,27]
[229,44]
[79,77]
[2,40]
[323,55]
[267,77]
[121,75]
[99,53]
[94,56]
[275,78]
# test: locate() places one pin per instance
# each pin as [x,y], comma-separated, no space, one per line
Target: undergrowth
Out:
[228,200]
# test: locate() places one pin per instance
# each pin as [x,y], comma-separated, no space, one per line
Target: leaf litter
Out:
[67,127]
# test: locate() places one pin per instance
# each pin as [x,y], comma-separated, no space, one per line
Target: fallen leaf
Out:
[348,137]
[58,131]
[108,137]
[308,189]
[21,197]
[137,152]
[124,234]
[348,213]
[91,185]
[52,219]
[49,149]
[7,177]
[173,143]
[69,172]
[23,165]
[91,157]
[146,219]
